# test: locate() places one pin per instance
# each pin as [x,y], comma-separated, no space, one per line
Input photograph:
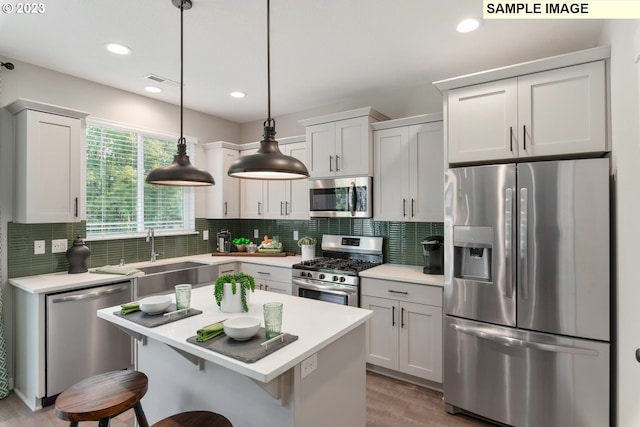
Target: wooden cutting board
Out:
[278,254]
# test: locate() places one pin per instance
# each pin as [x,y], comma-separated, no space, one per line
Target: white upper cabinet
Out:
[48,136]
[277,199]
[223,198]
[408,180]
[341,144]
[289,199]
[555,107]
[251,193]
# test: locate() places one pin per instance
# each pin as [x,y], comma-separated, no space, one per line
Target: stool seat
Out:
[194,419]
[102,397]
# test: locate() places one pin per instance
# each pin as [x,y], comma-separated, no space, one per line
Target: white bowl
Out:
[241,328]
[155,304]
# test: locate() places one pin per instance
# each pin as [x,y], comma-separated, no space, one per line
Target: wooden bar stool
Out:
[102,397]
[194,419]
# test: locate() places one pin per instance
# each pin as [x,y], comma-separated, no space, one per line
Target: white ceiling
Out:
[321,50]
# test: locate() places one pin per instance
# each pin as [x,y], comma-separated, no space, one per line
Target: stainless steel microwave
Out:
[341,197]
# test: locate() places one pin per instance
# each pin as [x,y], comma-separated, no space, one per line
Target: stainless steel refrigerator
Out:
[527,293]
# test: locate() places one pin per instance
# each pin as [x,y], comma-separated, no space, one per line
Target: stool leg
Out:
[73,424]
[104,422]
[142,419]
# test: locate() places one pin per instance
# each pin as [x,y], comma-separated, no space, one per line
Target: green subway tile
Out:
[98,257]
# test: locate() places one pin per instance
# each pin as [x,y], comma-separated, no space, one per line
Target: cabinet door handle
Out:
[330,163]
[281,205]
[393,316]
[337,163]
[402,317]
[404,207]
[264,272]
[524,137]
[76,207]
[511,138]
[397,292]
[286,208]
[227,271]
[266,288]
[413,205]
[259,205]
[225,208]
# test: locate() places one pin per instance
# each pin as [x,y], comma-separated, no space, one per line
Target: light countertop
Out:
[403,273]
[56,282]
[316,323]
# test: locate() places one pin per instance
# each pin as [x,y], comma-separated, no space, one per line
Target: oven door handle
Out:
[316,286]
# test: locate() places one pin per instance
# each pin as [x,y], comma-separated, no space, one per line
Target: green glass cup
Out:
[272,319]
[183,296]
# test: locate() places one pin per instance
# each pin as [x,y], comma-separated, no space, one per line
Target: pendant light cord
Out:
[268,61]
[182,146]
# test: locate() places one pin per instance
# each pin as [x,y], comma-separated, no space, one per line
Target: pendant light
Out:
[180,172]
[268,162]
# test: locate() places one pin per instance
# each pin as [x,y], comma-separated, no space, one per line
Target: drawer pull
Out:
[397,292]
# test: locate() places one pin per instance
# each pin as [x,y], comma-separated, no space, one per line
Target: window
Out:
[119,202]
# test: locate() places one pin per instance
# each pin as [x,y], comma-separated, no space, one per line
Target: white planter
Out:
[308,252]
[232,303]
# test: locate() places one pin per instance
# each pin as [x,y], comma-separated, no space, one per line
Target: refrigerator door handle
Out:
[516,342]
[523,243]
[508,227]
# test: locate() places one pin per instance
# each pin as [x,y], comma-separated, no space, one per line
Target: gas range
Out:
[334,276]
[337,270]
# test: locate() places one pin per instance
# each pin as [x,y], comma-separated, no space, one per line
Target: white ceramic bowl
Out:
[241,328]
[155,304]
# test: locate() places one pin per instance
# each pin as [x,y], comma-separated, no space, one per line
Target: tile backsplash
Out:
[401,241]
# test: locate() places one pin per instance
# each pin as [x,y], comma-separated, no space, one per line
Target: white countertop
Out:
[316,323]
[55,282]
[403,273]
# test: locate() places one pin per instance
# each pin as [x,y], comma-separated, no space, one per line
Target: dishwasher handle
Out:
[91,295]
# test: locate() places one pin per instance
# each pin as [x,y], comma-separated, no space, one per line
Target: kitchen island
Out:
[270,392]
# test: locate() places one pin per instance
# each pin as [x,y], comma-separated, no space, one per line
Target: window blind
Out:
[118,199]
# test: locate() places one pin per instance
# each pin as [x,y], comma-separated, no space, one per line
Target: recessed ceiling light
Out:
[468,25]
[238,94]
[152,89]
[118,49]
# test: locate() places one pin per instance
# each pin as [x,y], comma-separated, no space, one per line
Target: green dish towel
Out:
[210,331]
[116,269]
[129,307]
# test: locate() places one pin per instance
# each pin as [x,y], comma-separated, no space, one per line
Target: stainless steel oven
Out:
[325,291]
[341,197]
[334,276]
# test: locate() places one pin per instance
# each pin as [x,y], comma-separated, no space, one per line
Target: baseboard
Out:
[405,377]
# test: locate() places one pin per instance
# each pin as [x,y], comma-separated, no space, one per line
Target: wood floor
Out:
[390,403]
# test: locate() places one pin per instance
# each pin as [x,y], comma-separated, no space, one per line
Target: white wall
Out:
[405,102]
[624,37]
[40,84]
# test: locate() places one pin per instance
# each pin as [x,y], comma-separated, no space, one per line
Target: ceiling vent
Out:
[162,80]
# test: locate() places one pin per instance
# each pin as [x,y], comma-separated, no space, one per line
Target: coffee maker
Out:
[224,241]
[433,249]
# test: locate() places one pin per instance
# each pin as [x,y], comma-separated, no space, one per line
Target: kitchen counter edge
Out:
[403,273]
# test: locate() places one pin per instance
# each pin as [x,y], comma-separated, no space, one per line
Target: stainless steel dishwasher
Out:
[78,343]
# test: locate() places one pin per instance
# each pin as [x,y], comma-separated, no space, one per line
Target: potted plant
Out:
[307,246]
[241,243]
[226,292]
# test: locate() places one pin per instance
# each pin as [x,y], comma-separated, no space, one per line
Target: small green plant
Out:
[241,241]
[246,281]
[306,241]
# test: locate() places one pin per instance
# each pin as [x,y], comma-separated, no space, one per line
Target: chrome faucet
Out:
[151,235]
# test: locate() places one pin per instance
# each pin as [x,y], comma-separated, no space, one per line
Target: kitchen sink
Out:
[162,268]
[161,278]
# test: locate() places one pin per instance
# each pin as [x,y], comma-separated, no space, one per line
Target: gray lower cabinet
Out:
[269,278]
[405,332]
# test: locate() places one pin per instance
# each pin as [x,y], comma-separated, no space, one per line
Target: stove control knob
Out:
[335,278]
[342,279]
[303,274]
[321,276]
